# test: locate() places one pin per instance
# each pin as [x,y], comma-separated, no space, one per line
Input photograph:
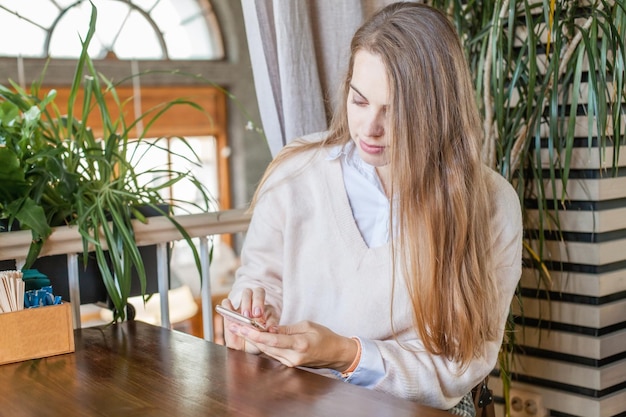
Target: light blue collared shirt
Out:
[370,205]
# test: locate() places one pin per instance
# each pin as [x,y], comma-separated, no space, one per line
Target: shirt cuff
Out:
[370,369]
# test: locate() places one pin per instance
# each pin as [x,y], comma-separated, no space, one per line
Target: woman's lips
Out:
[371,149]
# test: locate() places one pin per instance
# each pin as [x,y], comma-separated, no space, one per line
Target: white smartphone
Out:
[240,318]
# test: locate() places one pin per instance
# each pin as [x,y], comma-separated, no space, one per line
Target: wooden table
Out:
[136,369]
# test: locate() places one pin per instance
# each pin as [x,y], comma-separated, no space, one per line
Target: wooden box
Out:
[36,333]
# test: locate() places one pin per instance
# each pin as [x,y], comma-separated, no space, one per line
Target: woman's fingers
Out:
[290,350]
[258,302]
[232,340]
[252,302]
[270,318]
[304,344]
[245,307]
[226,303]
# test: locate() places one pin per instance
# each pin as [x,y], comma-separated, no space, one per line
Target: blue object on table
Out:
[41,297]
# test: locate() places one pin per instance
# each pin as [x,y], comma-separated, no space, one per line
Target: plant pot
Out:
[92,289]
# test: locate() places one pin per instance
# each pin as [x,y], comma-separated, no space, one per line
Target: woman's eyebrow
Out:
[357,91]
[385,106]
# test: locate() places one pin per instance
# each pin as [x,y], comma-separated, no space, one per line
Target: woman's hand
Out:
[252,305]
[302,344]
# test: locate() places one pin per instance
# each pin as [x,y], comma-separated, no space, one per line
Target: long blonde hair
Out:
[441,239]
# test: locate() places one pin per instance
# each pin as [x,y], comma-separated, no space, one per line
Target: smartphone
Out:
[240,318]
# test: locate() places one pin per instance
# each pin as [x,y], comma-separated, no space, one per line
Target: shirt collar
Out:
[352,159]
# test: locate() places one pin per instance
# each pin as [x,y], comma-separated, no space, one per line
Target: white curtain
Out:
[299,51]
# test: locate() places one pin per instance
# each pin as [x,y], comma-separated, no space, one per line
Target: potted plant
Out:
[54,171]
[531,60]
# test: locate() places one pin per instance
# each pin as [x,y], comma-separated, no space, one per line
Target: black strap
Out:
[483,399]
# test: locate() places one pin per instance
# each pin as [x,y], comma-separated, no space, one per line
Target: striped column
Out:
[572,336]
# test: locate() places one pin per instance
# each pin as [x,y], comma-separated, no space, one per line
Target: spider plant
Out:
[61,173]
[530,59]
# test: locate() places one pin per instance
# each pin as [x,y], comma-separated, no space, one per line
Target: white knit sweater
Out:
[303,246]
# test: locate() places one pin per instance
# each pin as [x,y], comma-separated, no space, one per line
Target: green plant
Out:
[24,169]
[530,59]
[56,172]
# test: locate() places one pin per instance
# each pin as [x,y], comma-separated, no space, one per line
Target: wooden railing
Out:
[159,231]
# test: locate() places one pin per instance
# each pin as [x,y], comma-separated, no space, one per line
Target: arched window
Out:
[126,29]
[130,35]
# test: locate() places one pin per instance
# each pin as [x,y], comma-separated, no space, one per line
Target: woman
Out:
[385,253]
